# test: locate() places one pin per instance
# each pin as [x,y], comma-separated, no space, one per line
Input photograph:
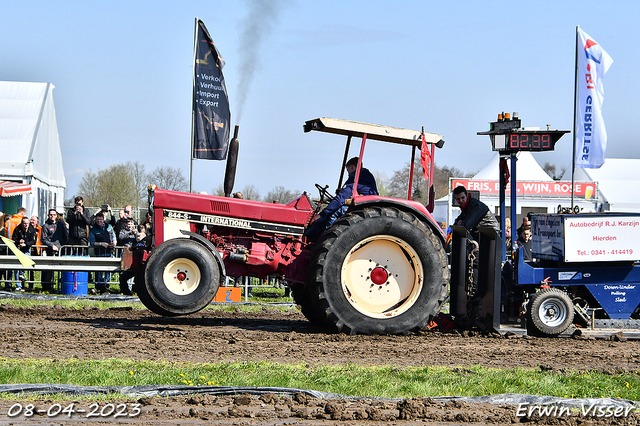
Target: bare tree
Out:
[168,178]
[113,185]
[553,171]
[441,178]
[251,192]
[381,183]
[116,186]
[140,181]
[88,188]
[549,169]
[218,190]
[281,195]
[562,172]
[398,185]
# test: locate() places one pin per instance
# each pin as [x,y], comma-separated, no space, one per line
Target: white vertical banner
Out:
[591,135]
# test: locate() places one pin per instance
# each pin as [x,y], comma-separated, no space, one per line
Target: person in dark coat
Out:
[24,236]
[103,240]
[121,224]
[78,221]
[475,214]
[524,241]
[54,236]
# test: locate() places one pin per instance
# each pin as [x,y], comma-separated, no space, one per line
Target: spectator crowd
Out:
[76,234]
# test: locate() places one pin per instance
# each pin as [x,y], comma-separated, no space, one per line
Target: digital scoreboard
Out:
[507,136]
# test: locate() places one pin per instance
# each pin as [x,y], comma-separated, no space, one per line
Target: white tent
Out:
[617,180]
[31,171]
[539,192]
[528,169]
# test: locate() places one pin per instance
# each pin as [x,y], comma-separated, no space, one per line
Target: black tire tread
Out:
[150,290]
[535,324]
[321,304]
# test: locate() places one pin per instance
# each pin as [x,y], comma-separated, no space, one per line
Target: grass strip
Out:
[77,304]
[382,381]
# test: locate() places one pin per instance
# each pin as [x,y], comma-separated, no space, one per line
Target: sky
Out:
[123,78]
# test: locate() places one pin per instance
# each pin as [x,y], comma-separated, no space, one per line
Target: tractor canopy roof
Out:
[373,131]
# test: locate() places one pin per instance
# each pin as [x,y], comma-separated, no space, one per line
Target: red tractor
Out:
[381,268]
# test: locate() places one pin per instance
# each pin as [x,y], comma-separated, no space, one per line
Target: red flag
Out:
[504,169]
[425,157]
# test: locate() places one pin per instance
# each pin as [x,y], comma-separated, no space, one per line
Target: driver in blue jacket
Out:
[366,186]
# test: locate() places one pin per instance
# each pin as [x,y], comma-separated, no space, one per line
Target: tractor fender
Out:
[414,207]
[216,254]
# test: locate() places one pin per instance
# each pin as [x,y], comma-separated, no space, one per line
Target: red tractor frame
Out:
[381,268]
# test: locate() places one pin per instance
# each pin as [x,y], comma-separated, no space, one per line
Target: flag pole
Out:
[575,117]
[193,88]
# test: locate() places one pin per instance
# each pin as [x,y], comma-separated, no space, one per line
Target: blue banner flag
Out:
[211,113]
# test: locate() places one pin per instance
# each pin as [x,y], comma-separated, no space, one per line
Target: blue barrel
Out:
[76,283]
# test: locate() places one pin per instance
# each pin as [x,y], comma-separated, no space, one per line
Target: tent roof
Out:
[528,169]
[29,139]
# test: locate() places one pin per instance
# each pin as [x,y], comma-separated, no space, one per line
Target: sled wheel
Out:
[181,277]
[550,312]
[378,271]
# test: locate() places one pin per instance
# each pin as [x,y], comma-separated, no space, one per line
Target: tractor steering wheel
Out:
[325,196]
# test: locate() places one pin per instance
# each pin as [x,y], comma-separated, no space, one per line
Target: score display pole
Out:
[508,138]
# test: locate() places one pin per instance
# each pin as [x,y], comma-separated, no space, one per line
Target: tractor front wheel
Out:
[181,278]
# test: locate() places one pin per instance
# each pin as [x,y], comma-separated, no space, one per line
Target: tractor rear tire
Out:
[378,270]
[302,298]
[550,312]
[181,277]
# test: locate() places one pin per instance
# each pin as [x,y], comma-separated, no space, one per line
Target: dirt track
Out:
[209,336]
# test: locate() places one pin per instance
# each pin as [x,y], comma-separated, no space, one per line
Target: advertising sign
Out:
[547,237]
[586,238]
[586,190]
[602,238]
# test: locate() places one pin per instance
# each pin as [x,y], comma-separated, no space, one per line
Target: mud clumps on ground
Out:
[286,337]
[253,410]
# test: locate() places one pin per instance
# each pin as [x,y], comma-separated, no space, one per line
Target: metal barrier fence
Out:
[83,259]
[69,259]
[249,283]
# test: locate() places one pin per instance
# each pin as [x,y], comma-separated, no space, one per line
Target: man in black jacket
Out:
[78,221]
[121,224]
[475,214]
[54,236]
[24,236]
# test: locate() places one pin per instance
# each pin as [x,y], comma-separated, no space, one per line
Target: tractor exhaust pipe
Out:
[232,161]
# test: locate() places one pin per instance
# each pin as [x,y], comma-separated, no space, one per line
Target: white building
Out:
[31,171]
